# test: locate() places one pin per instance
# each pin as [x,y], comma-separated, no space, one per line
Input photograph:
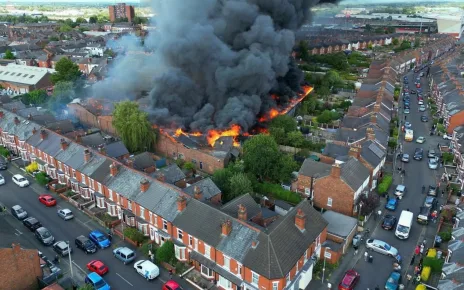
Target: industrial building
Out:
[20,79]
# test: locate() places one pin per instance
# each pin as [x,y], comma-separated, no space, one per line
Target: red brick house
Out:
[20,268]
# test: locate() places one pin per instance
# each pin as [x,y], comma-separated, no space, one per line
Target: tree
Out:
[221,178]
[165,253]
[327,116]
[189,166]
[66,71]
[93,19]
[109,52]
[35,97]
[391,30]
[405,45]
[81,20]
[417,42]
[239,185]
[9,55]
[395,41]
[63,93]
[65,28]
[278,134]
[285,122]
[368,28]
[323,91]
[369,203]
[295,139]
[133,127]
[53,38]
[332,78]
[303,50]
[86,287]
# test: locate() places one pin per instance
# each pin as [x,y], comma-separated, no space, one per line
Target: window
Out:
[287,279]
[329,201]
[201,165]
[165,225]
[275,285]
[100,188]
[190,241]
[194,161]
[307,191]
[239,270]
[83,178]
[227,263]
[181,156]
[318,241]
[142,212]
[74,173]
[129,205]
[206,271]
[180,235]
[196,245]
[207,251]
[254,278]
[306,256]
[297,266]
[179,253]
[150,216]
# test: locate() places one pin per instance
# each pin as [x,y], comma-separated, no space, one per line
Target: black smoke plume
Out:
[215,62]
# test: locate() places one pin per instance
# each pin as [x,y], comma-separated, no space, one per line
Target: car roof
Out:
[16,206]
[172,283]
[17,175]
[96,233]
[94,277]
[124,250]
[42,229]
[62,244]
[32,219]
[97,263]
[349,277]
[400,187]
[82,238]
[65,210]
[147,264]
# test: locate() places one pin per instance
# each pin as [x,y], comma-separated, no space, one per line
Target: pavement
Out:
[417,175]
[120,276]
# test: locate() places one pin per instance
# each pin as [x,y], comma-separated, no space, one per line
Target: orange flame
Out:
[213,135]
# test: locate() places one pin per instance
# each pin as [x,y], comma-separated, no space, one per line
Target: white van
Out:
[147,269]
[404,225]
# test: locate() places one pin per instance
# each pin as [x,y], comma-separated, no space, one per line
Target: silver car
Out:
[2,180]
[433,163]
[65,214]
[381,247]
[422,108]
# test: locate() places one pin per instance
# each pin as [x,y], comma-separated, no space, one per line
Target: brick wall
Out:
[455,121]
[20,268]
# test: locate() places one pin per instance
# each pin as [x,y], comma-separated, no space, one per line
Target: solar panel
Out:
[377,151]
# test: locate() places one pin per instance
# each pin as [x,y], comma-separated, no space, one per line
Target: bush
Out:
[392,144]
[4,152]
[165,253]
[276,191]
[134,234]
[447,157]
[32,167]
[421,287]
[432,253]
[425,274]
[41,178]
[445,236]
[385,184]
[435,264]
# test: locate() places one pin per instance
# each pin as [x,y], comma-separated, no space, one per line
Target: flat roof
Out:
[23,74]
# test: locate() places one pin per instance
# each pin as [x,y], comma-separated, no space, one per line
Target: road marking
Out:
[84,223]
[125,280]
[18,232]
[74,263]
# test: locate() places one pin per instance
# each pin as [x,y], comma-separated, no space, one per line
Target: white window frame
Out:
[165,225]
[226,263]
[129,205]
[307,191]
[191,242]
[100,188]
[254,278]
[142,212]
[329,201]
[287,280]
[83,178]
[275,285]
[239,270]
[179,252]
[207,251]
[180,235]
[306,256]
[209,273]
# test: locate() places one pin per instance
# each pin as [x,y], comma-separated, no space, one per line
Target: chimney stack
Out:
[336,170]
[29,117]
[374,118]
[87,155]
[34,131]
[254,244]
[14,110]
[226,227]
[370,134]
[130,163]
[354,152]
[113,169]
[181,203]
[377,108]
[242,213]
[17,121]
[79,138]
[144,185]
[43,134]
[300,219]
[197,192]
[2,114]
[63,144]
[161,177]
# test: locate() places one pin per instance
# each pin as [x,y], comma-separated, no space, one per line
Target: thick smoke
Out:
[214,63]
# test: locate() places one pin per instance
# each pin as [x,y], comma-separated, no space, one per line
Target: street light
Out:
[70,261]
[326,255]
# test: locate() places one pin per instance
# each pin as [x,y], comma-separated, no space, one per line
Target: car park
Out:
[85,244]
[405,157]
[391,204]
[18,212]
[20,180]
[393,281]
[124,254]
[388,222]
[44,236]
[171,285]
[433,163]
[98,267]
[65,214]
[424,118]
[147,269]
[432,190]
[420,140]
[96,281]
[32,223]
[381,247]
[62,248]
[2,180]
[418,154]
[100,239]
[349,281]
[47,200]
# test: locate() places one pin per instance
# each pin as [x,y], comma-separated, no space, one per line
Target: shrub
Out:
[385,184]
[32,167]
[435,264]
[445,236]
[4,152]
[277,192]
[447,157]
[425,274]
[421,287]
[166,252]
[432,253]
[41,178]
[134,234]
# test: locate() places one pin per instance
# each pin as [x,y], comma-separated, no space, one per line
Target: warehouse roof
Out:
[23,74]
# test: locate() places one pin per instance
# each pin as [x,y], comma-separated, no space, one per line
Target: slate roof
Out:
[50,145]
[23,130]
[16,105]
[64,126]
[172,173]
[311,168]
[354,173]
[339,225]
[208,188]
[116,149]
[231,208]
[372,153]
[335,150]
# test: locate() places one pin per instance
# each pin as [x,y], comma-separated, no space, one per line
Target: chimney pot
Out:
[79,138]
[130,163]
[370,134]
[1,114]
[87,155]
[226,227]
[34,131]
[354,152]
[300,219]
[336,170]
[29,116]
[242,213]
[43,134]
[63,144]
[181,203]
[17,121]
[254,244]
[144,185]
[197,192]
[113,169]
[161,177]
[14,110]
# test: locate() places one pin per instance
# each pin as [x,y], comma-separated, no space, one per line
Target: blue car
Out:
[100,239]
[391,204]
[393,281]
[96,281]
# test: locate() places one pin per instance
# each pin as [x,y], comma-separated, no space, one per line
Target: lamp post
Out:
[326,255]
[70,261]
[360,208]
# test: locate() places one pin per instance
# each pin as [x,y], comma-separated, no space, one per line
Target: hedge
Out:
[425,274]
[134,234]
[435,264]
[276,191]
[166,253]
[383,187]
[41,178]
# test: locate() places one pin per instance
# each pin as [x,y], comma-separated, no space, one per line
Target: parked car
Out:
[432,190]
[393,281]
[407,125]
[96,281]
[400,190]
[171,285]
[44,236]
[349,281]
[420,140]
[431,153]
[2,180]
[389,222]
[32,223]
[62,248]
[433,163]
[381,247]
[420,103]
[20,180]
[100,239]
[421,108]
[406,111]
[391,204]
[405,157]
[65,214]
[3,165]
[424,118]
[18,212]
[98,267]
[147,269]
[431,202]
[85,244]
[413,92]
[47,200]
[124,254]
[418,154]
[423,215]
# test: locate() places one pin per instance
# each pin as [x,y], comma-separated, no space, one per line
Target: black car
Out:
[413,92]
[85,244]
[3,165]
[32,223]
[62,248]
[389,222]
[418,154]
[424,119]
[406,82]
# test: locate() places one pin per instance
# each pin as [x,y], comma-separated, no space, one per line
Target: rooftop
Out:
[23,74]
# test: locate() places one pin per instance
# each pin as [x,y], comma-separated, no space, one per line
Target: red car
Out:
[171,285]
[47,199]
[349,280]
[98,267]
[418,86]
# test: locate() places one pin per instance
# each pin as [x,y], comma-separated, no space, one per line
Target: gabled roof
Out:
[208,188]
[354,173]
[144,160]
[372,153]
[16,105]
[23,130]
[49,145]
[311,168]
[339,224]
[335,150]
[172,173]
[23,74]
[231,208]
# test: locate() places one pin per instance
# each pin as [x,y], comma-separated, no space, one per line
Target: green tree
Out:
[37,97]
[221,178]
[323,91]
[391,30]
[109,52]
[189,166]
[93,19]
[63,93]
[395,41]
[133,126]
[65,28]
[53,38]
[405,45]
[333,79]
[368,28]
[66,71]
[239,184]
[278,134]
[165,253]
[417,42]
[295,139]
[81,20]
[303,50]
[86,287]
[285,122]
[9,55]
[327,116]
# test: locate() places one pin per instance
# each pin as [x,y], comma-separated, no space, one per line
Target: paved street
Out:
[120,276]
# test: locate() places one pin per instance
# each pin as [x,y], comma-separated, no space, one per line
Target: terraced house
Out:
[240,245]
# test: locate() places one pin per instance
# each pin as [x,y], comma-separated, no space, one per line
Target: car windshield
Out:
[99,284]
[20,210]
[391,280]
[101,238]
[46,234]
[433,161]
[21,179]
[402,229]
[88,243]
[387,247]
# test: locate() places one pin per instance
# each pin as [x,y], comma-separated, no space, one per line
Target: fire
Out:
[213,135]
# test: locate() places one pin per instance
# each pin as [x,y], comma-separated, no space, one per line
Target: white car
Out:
[422,108]
[65,214]
[447,137]
[20,180]
[147,269]
[433,163]
[420,140]
[2,180]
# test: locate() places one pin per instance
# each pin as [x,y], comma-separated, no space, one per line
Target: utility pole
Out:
[70,261]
